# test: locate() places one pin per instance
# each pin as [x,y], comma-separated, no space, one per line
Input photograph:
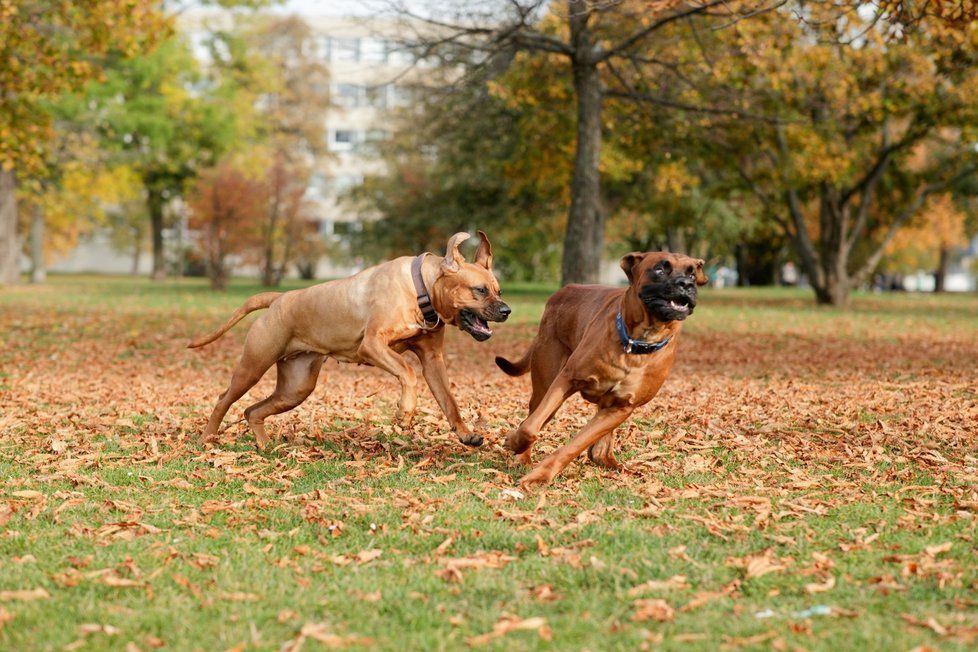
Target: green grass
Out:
[260,523]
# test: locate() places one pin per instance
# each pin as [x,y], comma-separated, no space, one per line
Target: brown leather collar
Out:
[431,318]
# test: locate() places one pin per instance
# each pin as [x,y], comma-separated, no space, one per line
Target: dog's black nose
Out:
[504,310]
[685,283]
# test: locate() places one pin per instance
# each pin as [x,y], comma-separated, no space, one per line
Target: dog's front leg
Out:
[436,375]
[520,441]
[374,350]
[603,423]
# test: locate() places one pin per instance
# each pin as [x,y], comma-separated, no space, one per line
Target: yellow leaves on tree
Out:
[80,202]
[49,47]
[941,226]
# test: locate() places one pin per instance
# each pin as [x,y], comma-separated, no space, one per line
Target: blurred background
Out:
[825,145]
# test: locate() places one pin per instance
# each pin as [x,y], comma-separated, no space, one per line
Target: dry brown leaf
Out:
[676,582]
[816,587]
[508,624]
[655,609]
[25,595]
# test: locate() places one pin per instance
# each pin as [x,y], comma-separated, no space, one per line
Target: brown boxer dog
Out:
[615,346]
[370,318]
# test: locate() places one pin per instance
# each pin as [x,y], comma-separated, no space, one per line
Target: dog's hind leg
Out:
[297,377]
[548,359]
[602,452]
[259,354]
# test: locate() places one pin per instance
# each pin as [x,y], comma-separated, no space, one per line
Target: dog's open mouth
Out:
[474,325]
[673,308]
[681,305]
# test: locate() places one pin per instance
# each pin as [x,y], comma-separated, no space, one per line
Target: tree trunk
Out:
[268,263]
[137,251]
[39,272]
[9,249]
[940,274]
[155,204]
[584,239]
[835,292]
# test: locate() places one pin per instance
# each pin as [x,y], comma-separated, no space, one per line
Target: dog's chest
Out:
[625,381]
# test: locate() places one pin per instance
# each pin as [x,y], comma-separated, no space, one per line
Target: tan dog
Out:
[370,318]
[615,346]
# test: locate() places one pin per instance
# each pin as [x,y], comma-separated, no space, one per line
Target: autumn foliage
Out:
[227,208]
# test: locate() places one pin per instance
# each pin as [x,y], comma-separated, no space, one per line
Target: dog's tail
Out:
[517,368]
[257,302]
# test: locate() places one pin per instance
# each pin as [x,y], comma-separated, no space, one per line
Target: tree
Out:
[293,104]
[929,240]
[857,122]
[590,39]
[455,162]
[285,220]
[167,121]
[50,47]
[226,206]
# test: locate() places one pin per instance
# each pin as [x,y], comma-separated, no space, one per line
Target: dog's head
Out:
[467,294]
[665,282]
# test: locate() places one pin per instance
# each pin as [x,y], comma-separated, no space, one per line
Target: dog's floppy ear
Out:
[484,255]
[629,261]
[701,277]
[453,259]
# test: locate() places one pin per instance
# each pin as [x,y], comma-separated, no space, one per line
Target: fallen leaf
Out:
[25,595]
[815,587]
[655,609]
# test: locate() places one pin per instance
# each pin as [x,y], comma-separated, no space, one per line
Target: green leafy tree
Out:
[48,48]
[168,121]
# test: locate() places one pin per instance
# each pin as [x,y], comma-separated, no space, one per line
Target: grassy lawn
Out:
[807,478]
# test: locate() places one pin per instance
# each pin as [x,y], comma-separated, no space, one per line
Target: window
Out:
[347,95]
[373,50]
[324,47]
[399,96]
[345,182]
[317,183]
[377,96]
[376,135]
[345,49]
[398,55]
[342,139]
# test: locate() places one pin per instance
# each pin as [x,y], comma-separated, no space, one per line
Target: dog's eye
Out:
[689,271]
[481,291]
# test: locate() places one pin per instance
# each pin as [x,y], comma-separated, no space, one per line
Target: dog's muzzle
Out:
[671,300]
[477,325]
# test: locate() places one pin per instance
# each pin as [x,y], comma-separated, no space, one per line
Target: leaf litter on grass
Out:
[750,437]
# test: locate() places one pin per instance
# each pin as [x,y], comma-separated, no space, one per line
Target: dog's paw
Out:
[472,439]
[523,459]
[606,461]
[539,476]
[518,441]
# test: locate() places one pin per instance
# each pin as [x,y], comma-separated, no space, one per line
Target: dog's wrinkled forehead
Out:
[640,266]
[677,264]
[473,275]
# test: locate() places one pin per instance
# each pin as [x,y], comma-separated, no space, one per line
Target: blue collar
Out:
[636,346]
